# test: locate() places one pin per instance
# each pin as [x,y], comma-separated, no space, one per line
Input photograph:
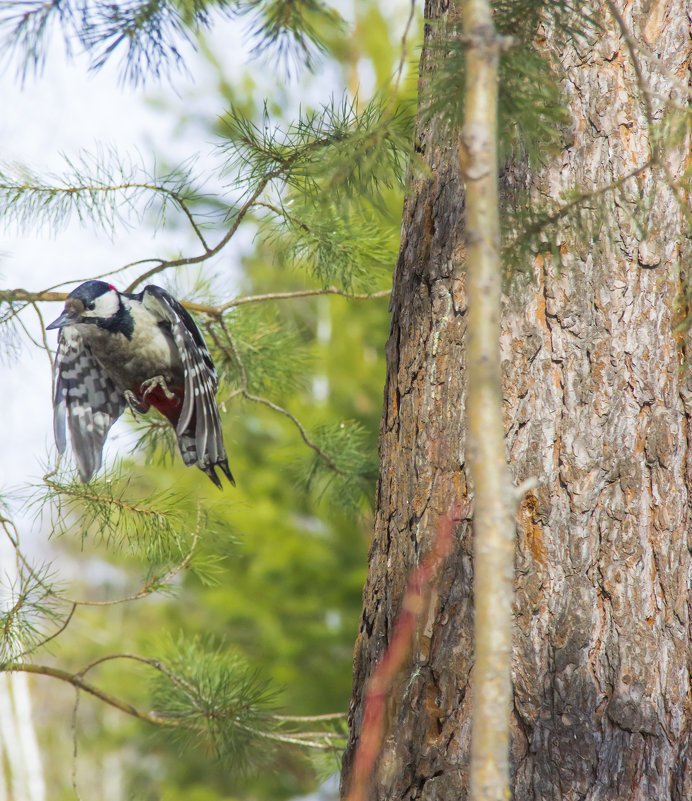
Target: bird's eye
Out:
[91,306]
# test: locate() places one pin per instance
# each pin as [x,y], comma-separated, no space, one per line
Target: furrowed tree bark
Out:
[597,405]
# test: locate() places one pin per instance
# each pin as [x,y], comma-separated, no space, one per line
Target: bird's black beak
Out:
[65,319]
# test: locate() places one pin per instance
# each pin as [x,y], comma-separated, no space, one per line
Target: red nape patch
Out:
[110,286]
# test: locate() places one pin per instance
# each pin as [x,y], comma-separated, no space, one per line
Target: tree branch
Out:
[493,525]
[28,298]
[310,739]
[209,252]
[77,681]
[243,390]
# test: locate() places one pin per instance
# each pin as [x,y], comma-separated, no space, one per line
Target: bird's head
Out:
[91,302]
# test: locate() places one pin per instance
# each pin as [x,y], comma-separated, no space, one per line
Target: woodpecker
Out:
[117,349]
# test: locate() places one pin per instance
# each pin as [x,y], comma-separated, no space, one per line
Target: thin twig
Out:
[265,401]
[81,493]
[56,633]
[29,298]
[404,49]
[284,738]
[192,222]
[76,681]
[303,433]
[46,346]
[151,586]
[311,718]
[209,252]
[301,293]
[75,746]
[281,212]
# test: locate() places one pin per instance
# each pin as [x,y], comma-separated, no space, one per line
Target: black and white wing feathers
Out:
[85,399]
[199,426]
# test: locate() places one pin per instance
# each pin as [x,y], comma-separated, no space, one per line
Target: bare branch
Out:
[301,293]
[77,681]
[28,298]
[22,296]
[310,718]
[292,738]
[493,525]
[324,740]
[404,48]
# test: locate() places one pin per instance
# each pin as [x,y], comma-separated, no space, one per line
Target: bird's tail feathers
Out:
[188,444]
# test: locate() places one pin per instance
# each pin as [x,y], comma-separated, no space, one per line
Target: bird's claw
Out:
[150,385]
[134,404]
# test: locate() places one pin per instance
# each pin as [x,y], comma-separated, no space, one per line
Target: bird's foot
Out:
[134,404]
[157,381]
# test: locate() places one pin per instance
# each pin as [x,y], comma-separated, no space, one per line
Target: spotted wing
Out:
[199,425]
[85,399]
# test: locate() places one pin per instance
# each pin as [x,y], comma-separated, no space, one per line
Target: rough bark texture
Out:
[597,406]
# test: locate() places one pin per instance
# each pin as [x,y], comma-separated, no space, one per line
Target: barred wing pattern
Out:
[199,425]
[85,399]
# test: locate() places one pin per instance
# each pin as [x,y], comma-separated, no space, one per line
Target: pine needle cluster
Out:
[101,188]
[216,701]
[150,36]
[29,605]
[345,480]
[112,509]
[340,151]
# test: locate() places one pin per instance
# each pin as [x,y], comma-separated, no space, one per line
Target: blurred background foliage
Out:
[283,557]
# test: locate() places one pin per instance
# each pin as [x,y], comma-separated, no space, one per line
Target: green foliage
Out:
[115,509]
[346,249]
[257,351]
[348,480]
[217,702]
[340,150]
[291,28]
[156,439]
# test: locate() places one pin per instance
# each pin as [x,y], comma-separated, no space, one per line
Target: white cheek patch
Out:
[105,306]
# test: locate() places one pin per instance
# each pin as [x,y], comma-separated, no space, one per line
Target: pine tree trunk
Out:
[598,397]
